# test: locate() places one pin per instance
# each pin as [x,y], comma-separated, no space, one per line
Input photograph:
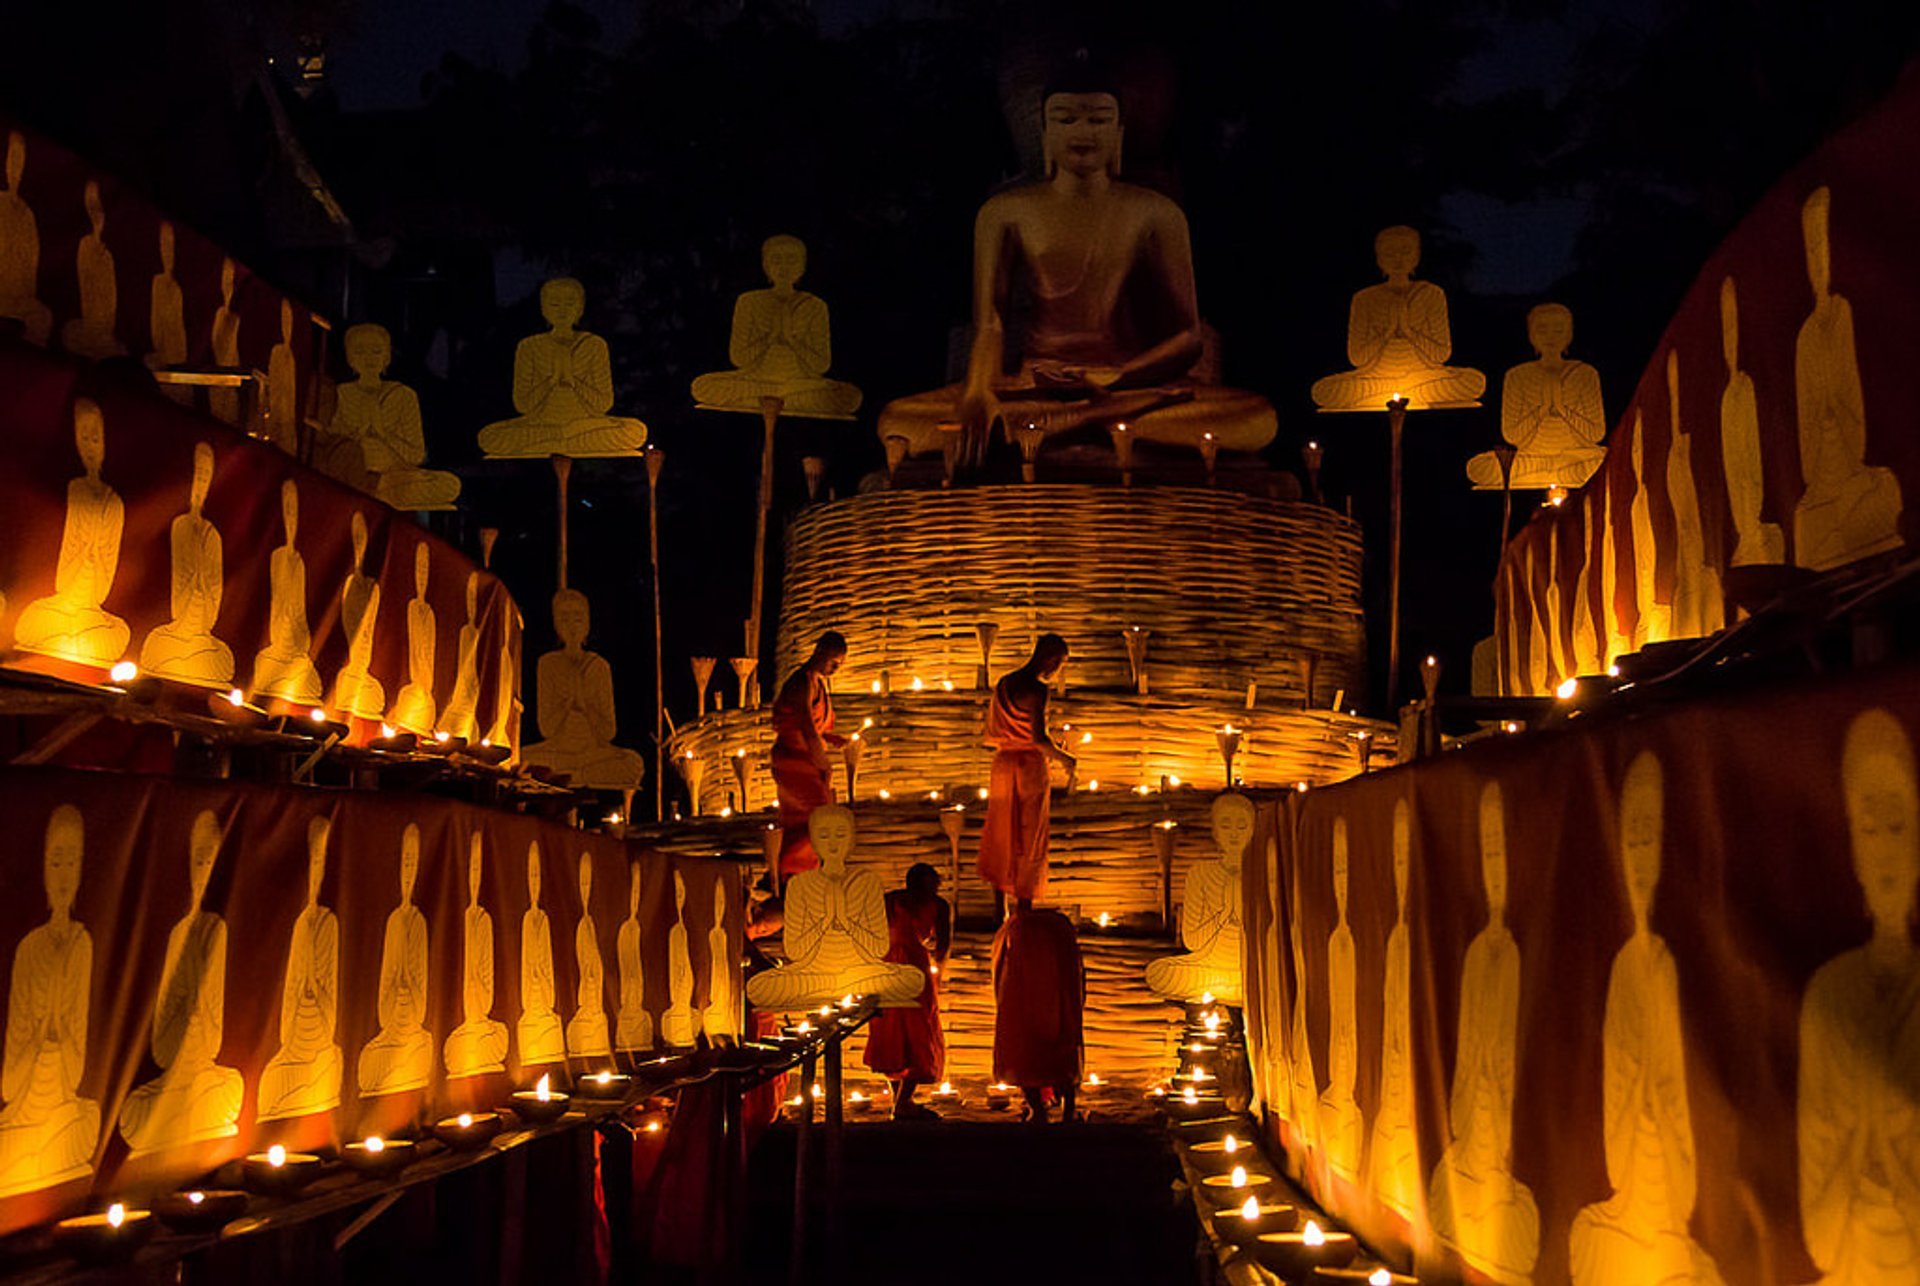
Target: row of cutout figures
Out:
[1858,1032]
[49,1133]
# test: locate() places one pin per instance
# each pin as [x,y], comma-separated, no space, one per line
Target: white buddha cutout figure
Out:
[587,1035]
[1210,916]
[836,932]
[20,251]
[72,623]
[1755,542]
[1849,509]
[225,342]
[1398,340]
[1858,1128]
[1342,1131]
[91,333]
[1587,655]
[542,1040]
[563,389]
[479,1044]
[185,649]
[677,1024]
[721,1019]
[506,689]
[1639,1234]
[355,690]
[193,1098]
[284,667]
[1393,1153]
[460,717]
[1303,1091]
[633,1026]
[47,1131]
[1479,1209]
[1656,615]
[377,436]
[781,346]
[282,424]
[303,1076]
[1613,638]
[1278,1088]
[400,1055]
[575,694]
[167,317]
[414,708]
[1550,412]
[1699,605]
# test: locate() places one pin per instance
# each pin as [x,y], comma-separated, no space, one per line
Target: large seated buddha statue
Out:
[563,389]
[781,346]
[1399,340]
[1113,330]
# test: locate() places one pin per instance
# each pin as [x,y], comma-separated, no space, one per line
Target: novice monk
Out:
[1039,992]
[1013,844]
[906,1045]
[802,735]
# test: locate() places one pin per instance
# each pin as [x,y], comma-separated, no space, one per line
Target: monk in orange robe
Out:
[1013,844]
[1039,993]
[802,735]
[907,1046]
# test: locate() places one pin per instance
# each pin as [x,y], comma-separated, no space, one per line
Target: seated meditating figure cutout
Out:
[20,251]
[303,1076]
[721,1018]
[780,347]
[400,1056]
[587,1035]
[167,319]
[576,707]
[1755,542]
[414,708]
[47,1131]
[542,1039]
[225,403]
[71,622]
[677,1024]
[479,1043]
[184,648]
[459,718]
[284,667]
[193,1098]
[506,689]
[1303,1091]
[1550,412]
[563,389]
[1210,915]
[1399,340]
[281,419]
[1275,1092]
[376,439]
[836,932]
[1699,602]
[91,333]
[1342,1130]
[1113,331]
[633,1029]
[355,690]
[1393,1154]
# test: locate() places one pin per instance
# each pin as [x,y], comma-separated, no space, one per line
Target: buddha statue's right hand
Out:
[977,411]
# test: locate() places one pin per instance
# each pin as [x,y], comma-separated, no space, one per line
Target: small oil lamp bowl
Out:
[1214,1156]
[1221,1190]
[530,1107]
[278,1172]
[946,1095]
[1200,1103]
[604,1087]
[110,1237]
[488,754]
[1200,1127]
[999,1097]
[1295,1254]
[1242,1223]
[202,1210]
[1368,1274]
[859,1103]
[377,1158]
[469,1131]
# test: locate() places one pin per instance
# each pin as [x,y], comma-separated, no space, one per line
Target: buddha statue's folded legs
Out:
[1175,415]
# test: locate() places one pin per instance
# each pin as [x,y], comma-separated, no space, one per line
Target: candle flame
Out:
[857,1097]
[386,731]
[1566,689]
[1212,1021]
[1380,1277]
[123,672]
[1312,1236]
[195,1198]
[983,792]
[464,1120]
[543,1088]
[235,697]
[1238,1178]
[885,793]
[653,1127]
[846,1001]
[1230,1145]
[374,1143]
[276,1156]
[1250,1211]
[946,685]
[603,1078]
[116,1214]
[1103,919]
[1206,997]
[946,1087]
[317,715]
[1189,1096]
[874,687]
[917,685]
[1093,1078]
[813,1091]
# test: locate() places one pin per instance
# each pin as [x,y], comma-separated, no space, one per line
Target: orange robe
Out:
[909,1042]
[800,785]
[1013,843]
[1039,993]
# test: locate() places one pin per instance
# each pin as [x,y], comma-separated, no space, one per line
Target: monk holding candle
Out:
[1039,993]
[907,1045]
[802,735]
[1013,844]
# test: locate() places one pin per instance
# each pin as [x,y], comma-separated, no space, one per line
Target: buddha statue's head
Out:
[1080,132]
[1637,449]
[60,866]
[166,248]
[830,827]
[784,259]
[1493,848]
[475,855]
[203,846]
[202,475]
[720,903]
[1342,860]
[290,509]
[1402,851]
[319,830]
[369,350]
[571,617]
[1232,817]
[89,433]
[562,302]
[680,893]
[1642,807]
[96,215]
[1549,329]
[422,567]
[286,321]
[533,875]
[586,881]
[409,860]
[226,282]
[1397,251]
[16,160]
[1883,818]
[1814,222]
[357,532]
[1730,323]
[473,596]
[633,890]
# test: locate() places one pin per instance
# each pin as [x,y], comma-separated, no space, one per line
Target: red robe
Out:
[909,1042]
[1013,843]
[1039,993]
[800,785]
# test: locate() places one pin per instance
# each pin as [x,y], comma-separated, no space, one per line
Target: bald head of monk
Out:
[1049,654]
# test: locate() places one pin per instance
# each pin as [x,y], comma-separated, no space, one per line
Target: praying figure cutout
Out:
[1342,1131]
[1755,542]
[91,333]
[676,1025]
[1639,1234]
[459,719]
[836,932]
[303,1077]
[1858,1131]
[282,427]
[1393,1154]
[1399,341]
[1699,605]
[167,318]
[563,389]
[1587,653]
[284,667]
[542,1040]
[225,402]
[20,252]
[1612,636]
[506,689]
[400,1057]
[1550,411]
[193,1098]
[633,1028]
[377,431]
[47,1131]
[71,622]
[1540,616]
[1210,916]
[721,1021]
[1278,1070]
[587,1030]
[479,1044]
[185,648]
[781,347]
[1479,1209]
[1849,509]
[414,708]
[1656,614]
[576,707]
[1303,1093]
[355,690]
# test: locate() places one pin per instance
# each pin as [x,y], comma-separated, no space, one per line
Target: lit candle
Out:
[605,1086]
[467,1131]
[999,1096]
[946,1093]
[1093,1080]
[278,1172]
[1103,919]
[108,1237]
[124,672]
[860,1102]
[199,1211]
[376,1157]
[1293,1254]
[1229,1190]
[540,1104]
